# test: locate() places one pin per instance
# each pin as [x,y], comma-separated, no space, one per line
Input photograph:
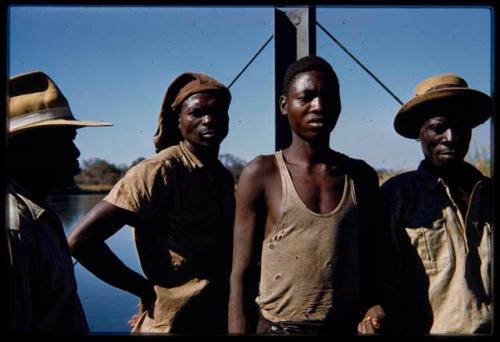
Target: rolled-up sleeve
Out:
[142,189]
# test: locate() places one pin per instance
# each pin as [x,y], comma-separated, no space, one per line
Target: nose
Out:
[317,103]
[207,119]
[450,135]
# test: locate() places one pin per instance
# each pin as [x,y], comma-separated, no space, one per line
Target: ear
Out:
[283,105]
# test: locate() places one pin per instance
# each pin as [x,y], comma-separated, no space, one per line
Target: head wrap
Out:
[185,85]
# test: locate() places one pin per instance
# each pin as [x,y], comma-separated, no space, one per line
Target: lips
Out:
[316,121]
[316,124]
[208,134]
[449,152]
[76,168]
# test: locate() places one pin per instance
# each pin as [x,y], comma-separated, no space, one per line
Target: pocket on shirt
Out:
[432,244]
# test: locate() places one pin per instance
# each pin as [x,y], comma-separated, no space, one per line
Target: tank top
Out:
[309,261]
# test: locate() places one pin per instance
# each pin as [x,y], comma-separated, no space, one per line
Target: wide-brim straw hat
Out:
[445,94]
[35,101]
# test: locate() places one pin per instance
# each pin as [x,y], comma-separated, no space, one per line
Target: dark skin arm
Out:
[249,221]
[87,245]
[367,191]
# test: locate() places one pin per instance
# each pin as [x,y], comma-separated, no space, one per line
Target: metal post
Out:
[294,38]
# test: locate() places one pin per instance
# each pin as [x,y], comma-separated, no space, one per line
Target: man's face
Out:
[312,104]
[53,155]
[204,120]
[445,141]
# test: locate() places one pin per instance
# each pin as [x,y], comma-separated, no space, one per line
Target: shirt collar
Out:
[36,209]
[431,181]
[189,156]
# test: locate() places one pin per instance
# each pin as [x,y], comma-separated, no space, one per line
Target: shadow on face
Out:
[445,140]
[204,120]
[312,104]
[46,155]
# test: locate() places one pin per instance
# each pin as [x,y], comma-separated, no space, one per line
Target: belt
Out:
[295,327]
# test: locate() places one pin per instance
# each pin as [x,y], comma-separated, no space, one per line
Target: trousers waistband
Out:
[286,327]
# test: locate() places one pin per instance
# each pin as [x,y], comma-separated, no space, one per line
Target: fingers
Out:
[133,320]
[368,325]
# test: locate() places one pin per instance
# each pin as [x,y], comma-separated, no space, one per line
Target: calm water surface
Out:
[107,308]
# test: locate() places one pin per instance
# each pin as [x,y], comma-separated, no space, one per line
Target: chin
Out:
[209,144]
[64,181]
[448,163]
[317,137]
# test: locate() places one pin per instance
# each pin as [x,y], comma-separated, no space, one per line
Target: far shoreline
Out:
[81,189]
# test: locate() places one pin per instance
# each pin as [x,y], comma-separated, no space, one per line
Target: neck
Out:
[206,156]
[442,171]
[36,188]
[452,174]
[310,152]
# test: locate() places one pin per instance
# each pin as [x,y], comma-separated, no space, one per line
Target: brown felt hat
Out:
[36,101]
[182,87]
[445,94]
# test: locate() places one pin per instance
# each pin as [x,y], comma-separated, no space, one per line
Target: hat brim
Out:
[60,123]
[472,106]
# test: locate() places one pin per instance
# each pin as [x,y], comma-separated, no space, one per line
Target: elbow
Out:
[73,243]
[76,243]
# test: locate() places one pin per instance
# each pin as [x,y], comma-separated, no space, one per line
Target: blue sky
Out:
[115,63]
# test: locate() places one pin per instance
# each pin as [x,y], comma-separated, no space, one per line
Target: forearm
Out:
[104,264]
[237,320]
[370,262]
[87,245]
[242,285]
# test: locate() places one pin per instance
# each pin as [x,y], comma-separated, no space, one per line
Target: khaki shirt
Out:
[184,239]
[437,276]
[42,295]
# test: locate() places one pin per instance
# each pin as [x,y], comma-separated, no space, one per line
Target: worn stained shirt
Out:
[310,263]
[186,212]
[322,268]
[437,262]
[42,294]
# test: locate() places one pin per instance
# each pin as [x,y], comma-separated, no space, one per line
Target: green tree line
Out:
[98,175]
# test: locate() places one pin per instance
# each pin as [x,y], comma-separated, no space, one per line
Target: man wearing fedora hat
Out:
[437,219]
[181,205]
[41,156]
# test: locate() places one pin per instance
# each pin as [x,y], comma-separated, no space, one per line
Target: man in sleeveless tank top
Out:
[306,226]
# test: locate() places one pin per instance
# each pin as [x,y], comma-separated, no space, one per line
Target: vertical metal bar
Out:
[294,38]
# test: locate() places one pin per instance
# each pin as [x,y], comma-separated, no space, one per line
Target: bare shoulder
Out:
[258,172]
[259,166]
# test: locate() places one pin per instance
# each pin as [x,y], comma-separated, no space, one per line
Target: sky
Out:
[115,64]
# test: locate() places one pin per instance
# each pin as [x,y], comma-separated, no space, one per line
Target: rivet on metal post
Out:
[295,18]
